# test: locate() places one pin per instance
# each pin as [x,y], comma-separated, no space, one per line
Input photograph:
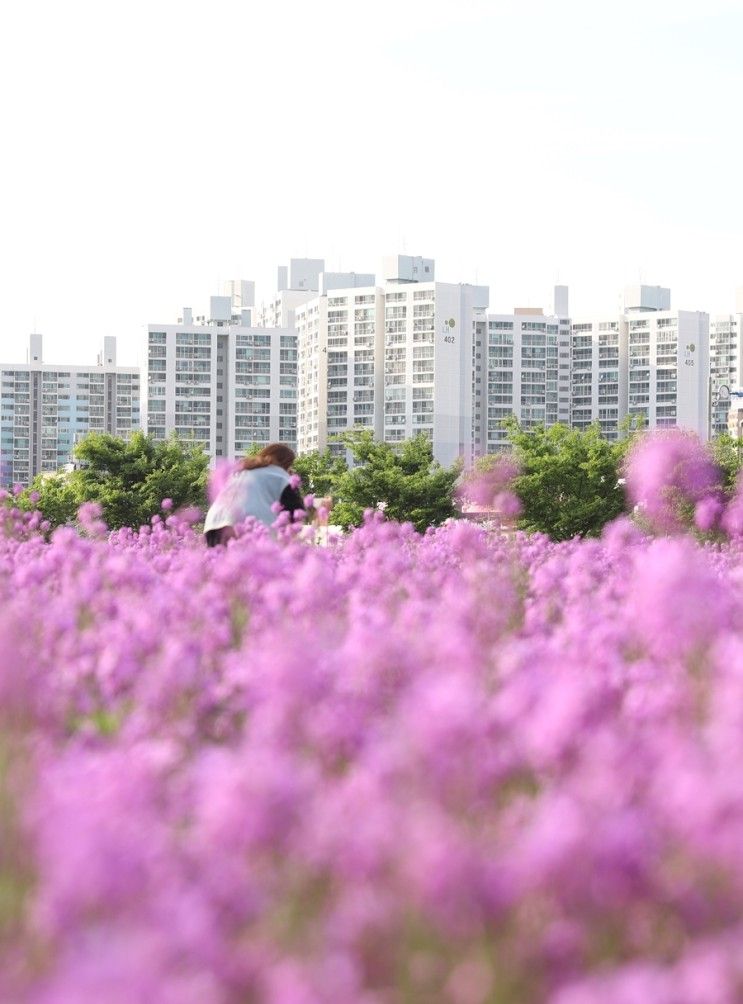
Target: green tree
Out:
[57,498]
[320,471]
[570,481]
[411,485]
[727,453]
[128,477]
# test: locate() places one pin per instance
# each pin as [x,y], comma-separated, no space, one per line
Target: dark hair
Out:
[275,453]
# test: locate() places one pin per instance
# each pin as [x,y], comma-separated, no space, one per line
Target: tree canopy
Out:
[128,477]
[320,471]
[403,479]
[570,481]
[726,452]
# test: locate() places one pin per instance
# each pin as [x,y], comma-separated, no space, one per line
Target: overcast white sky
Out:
[152,149]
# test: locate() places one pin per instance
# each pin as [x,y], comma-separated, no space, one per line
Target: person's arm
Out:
[291,500]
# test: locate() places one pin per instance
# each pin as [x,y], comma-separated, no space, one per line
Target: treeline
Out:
[569,482]
[131,477]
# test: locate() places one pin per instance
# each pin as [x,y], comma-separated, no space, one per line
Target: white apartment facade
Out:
[222,385]
[429,334]
[45,409]
[726,362]
[521,366]
[340,342]
[599,374]
[668,369]
[396,358]
[648,362]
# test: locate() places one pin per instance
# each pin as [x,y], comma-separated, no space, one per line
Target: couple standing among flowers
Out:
[254,489]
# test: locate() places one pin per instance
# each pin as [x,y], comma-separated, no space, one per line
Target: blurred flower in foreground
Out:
[667,474]
[487,487]
[89,518]
[219,475]
[456,766]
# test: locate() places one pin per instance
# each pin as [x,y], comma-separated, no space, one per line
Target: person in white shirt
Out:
[252,490]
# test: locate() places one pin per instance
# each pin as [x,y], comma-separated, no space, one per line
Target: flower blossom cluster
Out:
[490,489]
[465,766]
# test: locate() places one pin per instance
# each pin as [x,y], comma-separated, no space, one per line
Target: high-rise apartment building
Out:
[220,384]
[599,375]
[648,362]
[396,358]
[340,339]
[521,368]
[46,408]
[340,345]
[726,362]
[429,337]
[668,369]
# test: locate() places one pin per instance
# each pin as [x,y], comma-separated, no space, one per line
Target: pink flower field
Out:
[468,766]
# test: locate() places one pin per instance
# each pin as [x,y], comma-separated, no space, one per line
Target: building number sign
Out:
[449,326]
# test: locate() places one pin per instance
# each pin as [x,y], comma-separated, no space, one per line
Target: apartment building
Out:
[396,358]
[221,384]
[521,368]
[726,362]
[668,369]
[599,374]
[46,408]
[647,362]
[340,345]
[428,375]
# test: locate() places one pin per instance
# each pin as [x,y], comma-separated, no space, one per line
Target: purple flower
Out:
[461,763]
[89,517]
[219,476]
[707,513]
[480,488]
[664,471]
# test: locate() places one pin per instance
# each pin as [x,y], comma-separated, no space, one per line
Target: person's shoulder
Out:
[271,473]
[278,472]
